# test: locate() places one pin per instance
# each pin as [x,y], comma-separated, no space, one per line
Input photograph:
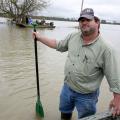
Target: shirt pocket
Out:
[90,66]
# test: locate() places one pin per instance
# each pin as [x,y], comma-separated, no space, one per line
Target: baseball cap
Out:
[87,13]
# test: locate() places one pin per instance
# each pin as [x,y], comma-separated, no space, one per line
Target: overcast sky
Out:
[105,9]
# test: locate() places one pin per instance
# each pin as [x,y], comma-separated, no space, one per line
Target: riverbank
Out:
[67,19]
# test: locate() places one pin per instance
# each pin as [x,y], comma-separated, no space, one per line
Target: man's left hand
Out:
[115,105]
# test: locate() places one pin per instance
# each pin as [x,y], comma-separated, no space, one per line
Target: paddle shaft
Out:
[36,64]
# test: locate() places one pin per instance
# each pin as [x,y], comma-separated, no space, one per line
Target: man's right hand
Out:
[35,34]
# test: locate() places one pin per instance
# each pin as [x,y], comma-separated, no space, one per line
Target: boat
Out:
[38,26]
[106,115]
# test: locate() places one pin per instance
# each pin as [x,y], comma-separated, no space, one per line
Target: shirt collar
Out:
[91,41]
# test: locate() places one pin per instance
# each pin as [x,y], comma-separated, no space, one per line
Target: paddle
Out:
[39,108]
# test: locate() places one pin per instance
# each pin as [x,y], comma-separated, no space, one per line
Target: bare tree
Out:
[19,9]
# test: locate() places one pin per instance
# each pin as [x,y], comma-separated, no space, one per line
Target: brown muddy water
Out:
[17,71]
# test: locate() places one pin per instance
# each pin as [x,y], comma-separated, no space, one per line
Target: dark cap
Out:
[87,13]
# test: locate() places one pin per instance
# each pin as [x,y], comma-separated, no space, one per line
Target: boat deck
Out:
[30,26]
[102,116]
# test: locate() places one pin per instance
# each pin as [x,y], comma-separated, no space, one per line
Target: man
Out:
[89,60]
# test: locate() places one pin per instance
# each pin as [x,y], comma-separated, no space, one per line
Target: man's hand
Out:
[115,104]
[35,34]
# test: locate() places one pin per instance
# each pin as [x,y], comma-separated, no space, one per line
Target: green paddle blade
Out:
[39,109]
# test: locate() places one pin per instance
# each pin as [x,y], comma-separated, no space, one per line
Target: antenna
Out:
[82,5]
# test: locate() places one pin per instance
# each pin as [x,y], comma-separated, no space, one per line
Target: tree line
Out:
[19,9]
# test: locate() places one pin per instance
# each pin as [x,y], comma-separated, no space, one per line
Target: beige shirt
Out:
[86,65]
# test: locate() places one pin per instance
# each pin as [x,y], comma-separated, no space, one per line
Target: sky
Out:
[104,9]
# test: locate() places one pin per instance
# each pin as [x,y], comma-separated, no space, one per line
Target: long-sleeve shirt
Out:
[86,65]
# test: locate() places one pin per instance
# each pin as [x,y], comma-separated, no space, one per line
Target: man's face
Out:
[87,26]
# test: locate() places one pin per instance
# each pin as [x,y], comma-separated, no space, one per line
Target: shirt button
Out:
[78,55]
[69,72]
[73,64]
